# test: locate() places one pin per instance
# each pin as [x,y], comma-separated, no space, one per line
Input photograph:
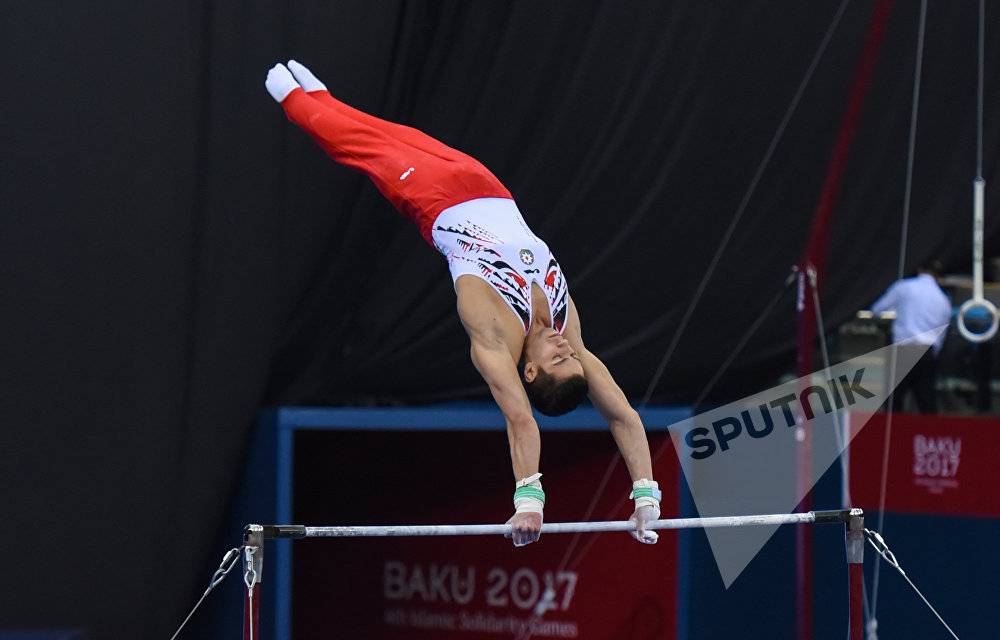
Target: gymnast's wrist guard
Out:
[528,495]
[646,493]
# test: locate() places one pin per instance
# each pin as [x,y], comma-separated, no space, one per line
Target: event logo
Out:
[746,457]
[935,462]
[499,601]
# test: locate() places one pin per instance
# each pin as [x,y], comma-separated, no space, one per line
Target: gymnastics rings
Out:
[977,302]
[978,206]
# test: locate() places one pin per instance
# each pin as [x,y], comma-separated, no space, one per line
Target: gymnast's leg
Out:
[408,135]
[417,174]
[346,140]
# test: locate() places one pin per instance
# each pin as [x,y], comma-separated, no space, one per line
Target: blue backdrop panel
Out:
[266,491]
[953,560]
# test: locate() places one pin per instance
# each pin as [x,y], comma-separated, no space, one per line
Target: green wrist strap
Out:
[529,492]
[646,492]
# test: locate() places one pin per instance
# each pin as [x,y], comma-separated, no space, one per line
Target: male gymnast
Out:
[512,297]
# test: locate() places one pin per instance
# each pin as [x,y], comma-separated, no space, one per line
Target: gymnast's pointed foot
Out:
[280,82]
[305,77]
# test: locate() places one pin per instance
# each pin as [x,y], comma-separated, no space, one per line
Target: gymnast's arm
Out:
[624,422]
[492,358]
[493,361]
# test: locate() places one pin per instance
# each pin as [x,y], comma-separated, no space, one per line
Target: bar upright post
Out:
[253,566]
[856,573]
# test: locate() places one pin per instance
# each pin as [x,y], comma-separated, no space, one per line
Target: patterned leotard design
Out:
[557,292]
[488,238]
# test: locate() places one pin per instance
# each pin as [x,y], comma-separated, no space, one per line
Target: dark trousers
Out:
[922,381]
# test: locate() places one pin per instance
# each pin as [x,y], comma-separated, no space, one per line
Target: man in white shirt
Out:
[920,306]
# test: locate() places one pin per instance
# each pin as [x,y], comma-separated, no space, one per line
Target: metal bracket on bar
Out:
[253,539]
[856,537]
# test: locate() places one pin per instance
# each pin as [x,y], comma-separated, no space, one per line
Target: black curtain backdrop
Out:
[177,254]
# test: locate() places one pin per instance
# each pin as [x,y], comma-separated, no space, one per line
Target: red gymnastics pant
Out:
[419,175]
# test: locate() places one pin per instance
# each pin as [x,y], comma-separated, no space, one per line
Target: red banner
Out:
[938,465]
[471,588]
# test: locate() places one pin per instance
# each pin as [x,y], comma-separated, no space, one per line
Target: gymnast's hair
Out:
[554,397]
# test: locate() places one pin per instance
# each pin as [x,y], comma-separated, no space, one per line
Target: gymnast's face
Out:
[550,352]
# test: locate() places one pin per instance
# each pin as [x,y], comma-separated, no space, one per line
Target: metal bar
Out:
[837,516]
[299,531]
[978,221]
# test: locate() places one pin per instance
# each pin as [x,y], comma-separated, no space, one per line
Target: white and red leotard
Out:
[457,204]
[488,238]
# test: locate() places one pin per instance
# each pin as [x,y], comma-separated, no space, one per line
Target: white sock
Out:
[305,77]
[280,82]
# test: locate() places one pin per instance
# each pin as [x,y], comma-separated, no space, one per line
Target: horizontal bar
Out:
[810,517]
[842,516]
